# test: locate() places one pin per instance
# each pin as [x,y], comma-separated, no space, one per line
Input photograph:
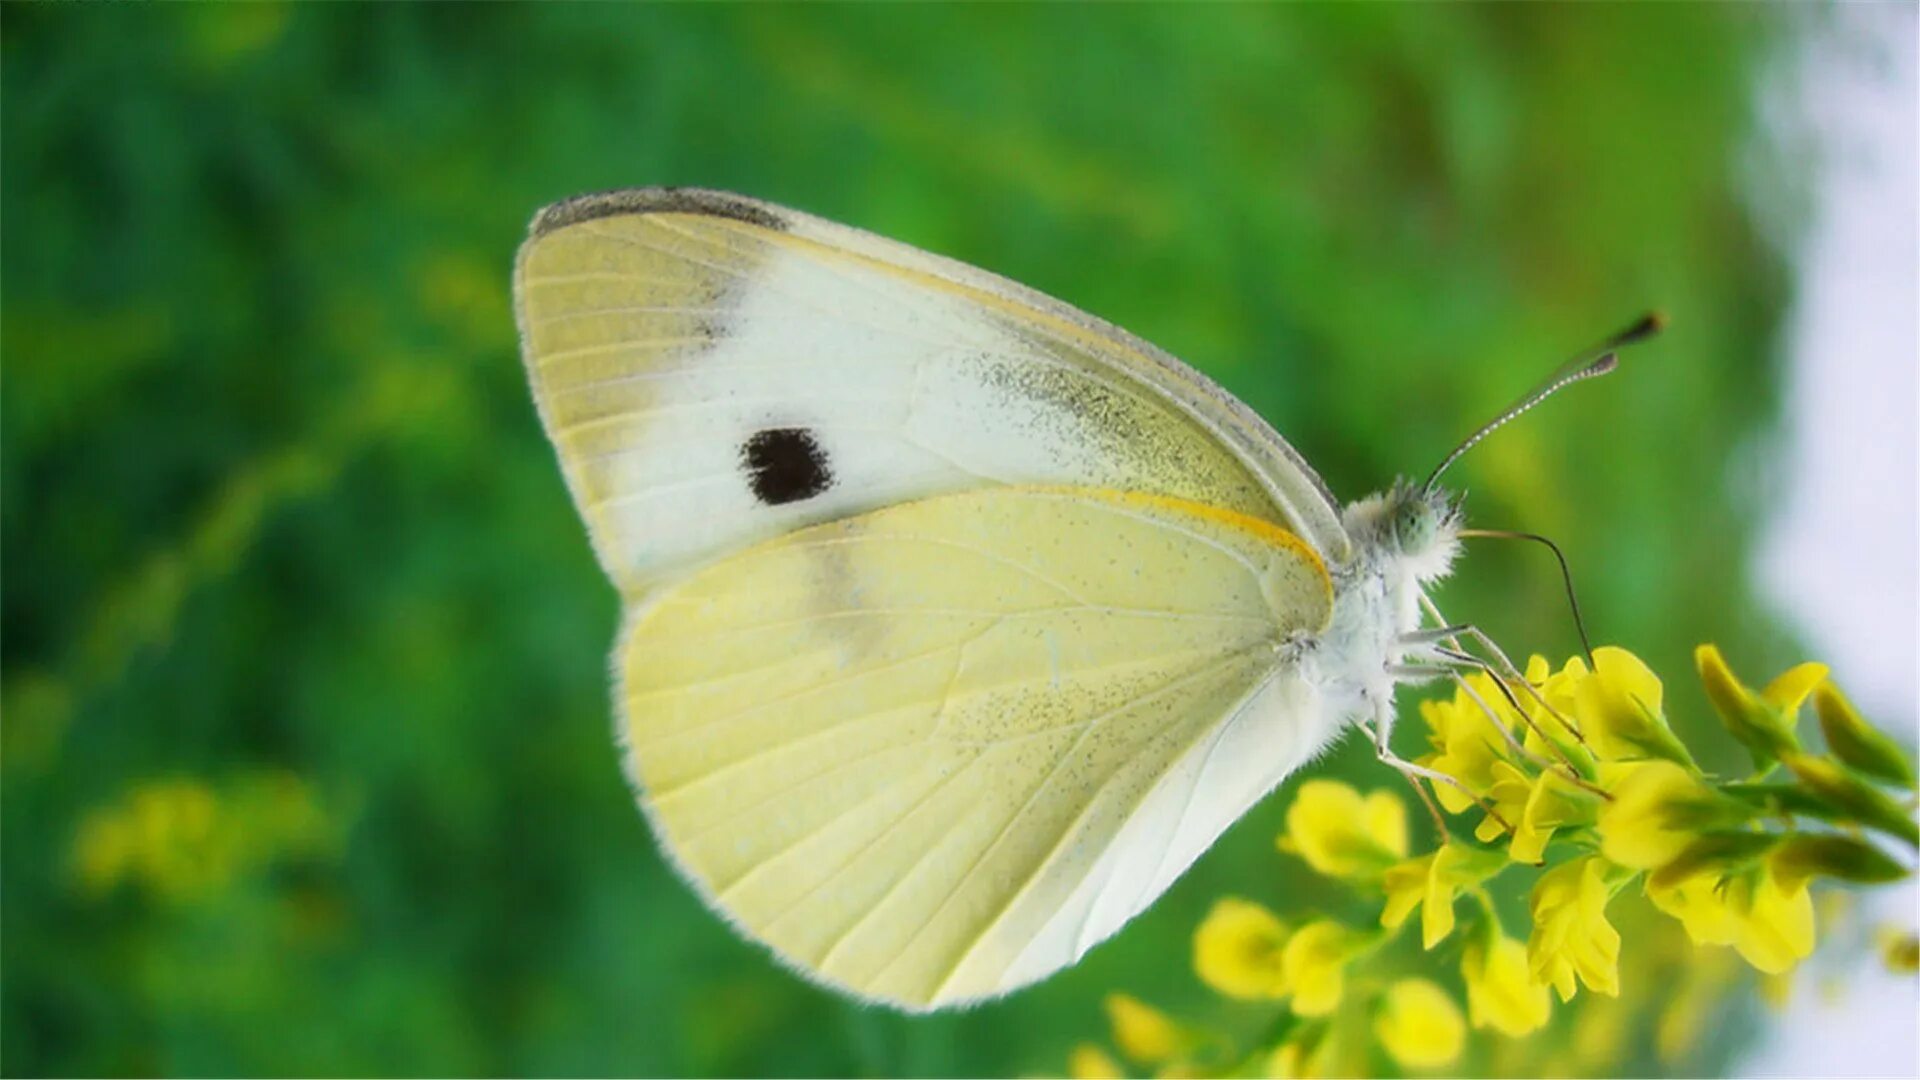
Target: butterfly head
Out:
[1411,524]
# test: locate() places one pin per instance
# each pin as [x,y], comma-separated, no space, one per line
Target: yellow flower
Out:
[1141,1031]
[1303,1056]
[1601,1027]
[1534,806]
[1899,950]
[1770,924]
[1429,883]
[1776,990]
[1571,936]
[1545,734]
[1342,835]
[1501,993]
[1683,1019]
[1089,1062]
[1315,962]
[1858,743]
[1237,950]
[1467,740]
[1419,1025]
[1618,707]
[103,850]
[181,840]
[1658,808]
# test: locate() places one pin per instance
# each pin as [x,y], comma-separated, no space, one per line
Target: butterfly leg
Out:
[1451,633]
[1456,662]
[1413,774]
[1428,643]
[1500,725]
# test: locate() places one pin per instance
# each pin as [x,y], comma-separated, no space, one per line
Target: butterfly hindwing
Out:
[935,751]
[715,371]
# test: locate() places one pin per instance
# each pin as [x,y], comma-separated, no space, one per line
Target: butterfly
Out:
[957,622]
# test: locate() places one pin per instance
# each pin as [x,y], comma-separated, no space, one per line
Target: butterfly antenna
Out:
[1566,575]
[1589,364]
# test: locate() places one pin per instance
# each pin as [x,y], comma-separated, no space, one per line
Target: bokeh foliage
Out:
[278,516]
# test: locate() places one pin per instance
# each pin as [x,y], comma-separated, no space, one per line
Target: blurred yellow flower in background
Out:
[1315,962]
[1238,950]
[181,838]
[1571,936]
[1899,950]
[1142,1032]
[1501,991]
[1304,1055]
[1419,1025]
[1342,835]
[1089,1062]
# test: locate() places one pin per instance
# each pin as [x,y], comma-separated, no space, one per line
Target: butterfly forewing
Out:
[716,371]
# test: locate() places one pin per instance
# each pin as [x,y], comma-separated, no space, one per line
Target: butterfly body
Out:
[958,622]
[1404,540]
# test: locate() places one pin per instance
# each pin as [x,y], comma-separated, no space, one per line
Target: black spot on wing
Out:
[785,465]
[656,200]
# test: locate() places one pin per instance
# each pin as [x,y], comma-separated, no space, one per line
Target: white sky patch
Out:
[1839,558]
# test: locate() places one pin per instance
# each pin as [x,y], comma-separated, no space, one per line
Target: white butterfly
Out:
[958,622]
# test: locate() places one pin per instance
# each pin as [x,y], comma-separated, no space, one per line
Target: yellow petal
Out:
[1572,942]
[1341,835]
[1419,1025]
[1387,822]
[1776,930]
[1792,686]
[1315,961]
[1501,993]
[1237,950]
[1700,907]
[1436,914]
[1406,885]
[1656,811]
[1141,1031]
[1629,673]
[1089,1062]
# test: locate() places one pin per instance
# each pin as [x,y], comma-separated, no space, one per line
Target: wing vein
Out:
[1033,796]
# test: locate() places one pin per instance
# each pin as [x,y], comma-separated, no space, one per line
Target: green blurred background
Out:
[306,765]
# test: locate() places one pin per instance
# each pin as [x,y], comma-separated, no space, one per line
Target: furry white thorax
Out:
[1404,539]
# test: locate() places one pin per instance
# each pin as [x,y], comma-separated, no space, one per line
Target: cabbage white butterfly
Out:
[958,622]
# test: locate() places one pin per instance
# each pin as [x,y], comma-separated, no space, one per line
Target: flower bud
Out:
[1856,742]
[1838,787]
[1842,857]
[1719,853]
[1763,722]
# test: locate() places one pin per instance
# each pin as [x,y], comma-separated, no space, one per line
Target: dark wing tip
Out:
[655,200]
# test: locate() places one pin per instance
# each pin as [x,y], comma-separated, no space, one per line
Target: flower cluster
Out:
[1576,778]
[179,839]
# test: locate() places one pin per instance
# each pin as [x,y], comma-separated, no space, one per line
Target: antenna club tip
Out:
[1649,324]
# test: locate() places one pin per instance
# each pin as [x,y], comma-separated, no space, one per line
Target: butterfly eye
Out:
[1408,524]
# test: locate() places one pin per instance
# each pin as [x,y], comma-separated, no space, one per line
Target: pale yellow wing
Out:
[716,371]
[934,752]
